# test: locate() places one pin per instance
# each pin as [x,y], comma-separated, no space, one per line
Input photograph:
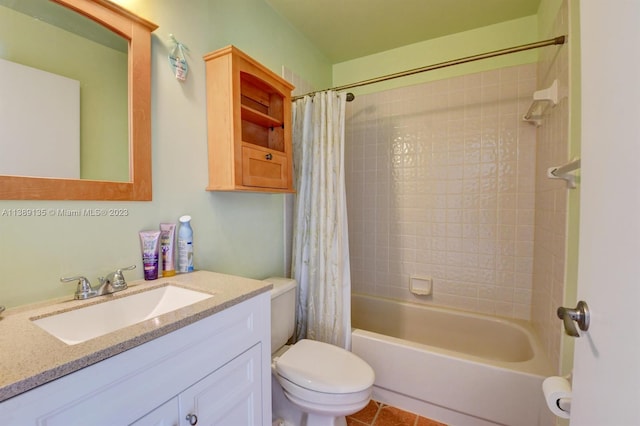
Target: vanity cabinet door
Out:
[231,395]
[165,415]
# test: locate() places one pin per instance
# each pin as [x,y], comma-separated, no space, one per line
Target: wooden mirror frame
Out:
[137,32]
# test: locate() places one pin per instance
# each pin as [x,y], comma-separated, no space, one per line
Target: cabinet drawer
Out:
[263,168]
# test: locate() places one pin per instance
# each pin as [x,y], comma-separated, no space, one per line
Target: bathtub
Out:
[456,367]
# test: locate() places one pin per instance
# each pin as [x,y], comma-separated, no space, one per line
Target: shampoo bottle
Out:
[185,245]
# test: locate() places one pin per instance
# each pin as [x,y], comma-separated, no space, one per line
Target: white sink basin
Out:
[86,323]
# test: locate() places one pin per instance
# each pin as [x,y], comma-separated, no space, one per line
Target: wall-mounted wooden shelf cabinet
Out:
[249,124]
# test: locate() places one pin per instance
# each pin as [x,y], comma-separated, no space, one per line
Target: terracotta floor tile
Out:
[367,414]
[422,421]
[378,414]
[352,422]
[391,416]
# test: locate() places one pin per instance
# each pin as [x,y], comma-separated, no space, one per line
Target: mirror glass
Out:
[63,94]
[107,68]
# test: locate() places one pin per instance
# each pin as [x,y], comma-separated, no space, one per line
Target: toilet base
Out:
[282,408]
[291,414]
[317,420]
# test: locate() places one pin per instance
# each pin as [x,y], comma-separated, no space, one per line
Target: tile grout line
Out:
[375,416]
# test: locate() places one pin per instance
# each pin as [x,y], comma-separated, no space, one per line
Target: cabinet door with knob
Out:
[249,124]
[165,415]
[230,395]
[261,168]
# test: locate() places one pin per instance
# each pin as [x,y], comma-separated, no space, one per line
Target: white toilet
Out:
[313,383]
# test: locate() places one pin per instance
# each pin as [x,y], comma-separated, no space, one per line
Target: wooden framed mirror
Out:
[137,33]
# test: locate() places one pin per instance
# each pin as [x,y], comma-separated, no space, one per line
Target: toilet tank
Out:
[283,311]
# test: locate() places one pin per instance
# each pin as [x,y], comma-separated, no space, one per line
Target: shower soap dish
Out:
[420,285]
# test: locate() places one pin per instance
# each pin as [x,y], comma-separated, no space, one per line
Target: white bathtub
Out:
[456,367]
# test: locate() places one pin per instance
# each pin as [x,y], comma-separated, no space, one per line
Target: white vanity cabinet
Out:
[216,369]
[168,414]
[227,396]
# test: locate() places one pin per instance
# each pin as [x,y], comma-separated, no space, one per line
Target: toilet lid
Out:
[323,367]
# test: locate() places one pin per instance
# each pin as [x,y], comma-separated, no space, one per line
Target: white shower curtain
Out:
[320,253]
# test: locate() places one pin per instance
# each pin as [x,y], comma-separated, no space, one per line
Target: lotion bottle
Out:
[185,245]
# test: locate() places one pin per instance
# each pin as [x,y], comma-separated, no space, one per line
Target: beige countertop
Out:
[29,356]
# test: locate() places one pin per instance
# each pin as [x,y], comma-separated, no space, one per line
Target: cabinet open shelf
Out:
[251,115]
[249,124]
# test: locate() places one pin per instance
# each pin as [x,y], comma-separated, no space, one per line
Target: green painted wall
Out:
[468,43]
[256,29]
[233,233]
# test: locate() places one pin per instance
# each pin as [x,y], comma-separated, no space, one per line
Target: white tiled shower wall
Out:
[441,183]
[552,197]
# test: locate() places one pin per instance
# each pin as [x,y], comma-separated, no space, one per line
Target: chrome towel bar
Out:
[564,172]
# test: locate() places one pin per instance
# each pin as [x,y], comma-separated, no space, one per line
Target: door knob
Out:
[570,317]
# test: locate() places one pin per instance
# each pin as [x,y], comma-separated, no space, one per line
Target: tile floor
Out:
[378,414]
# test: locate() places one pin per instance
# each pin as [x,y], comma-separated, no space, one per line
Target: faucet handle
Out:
[117,277]
[128,268]
[84,289]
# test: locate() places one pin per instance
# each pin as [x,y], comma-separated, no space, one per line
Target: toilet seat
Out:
[325,368]
[338,404]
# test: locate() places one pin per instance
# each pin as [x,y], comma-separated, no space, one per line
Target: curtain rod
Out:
[516,49]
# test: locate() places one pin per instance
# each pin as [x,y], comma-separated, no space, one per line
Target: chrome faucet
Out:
[112,283]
